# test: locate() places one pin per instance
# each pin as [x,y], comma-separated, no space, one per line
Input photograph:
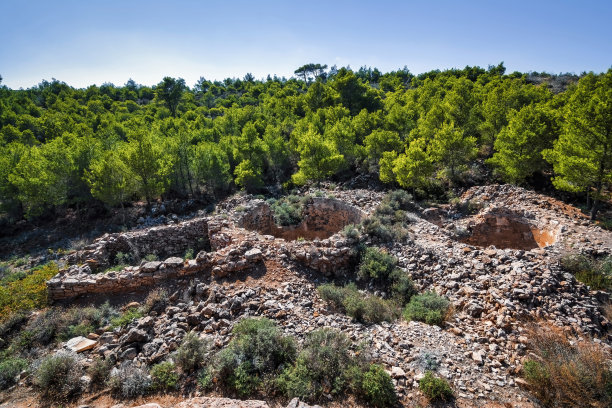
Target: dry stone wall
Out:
[163,241]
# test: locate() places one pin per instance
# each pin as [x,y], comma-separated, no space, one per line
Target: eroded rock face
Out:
[323,217]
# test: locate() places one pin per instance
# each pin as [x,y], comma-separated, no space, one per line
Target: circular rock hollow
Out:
[508,231]
[322,218]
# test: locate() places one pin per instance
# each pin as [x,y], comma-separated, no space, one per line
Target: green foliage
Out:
[58,377]
[319,158]
[376,264]
[99,372]
[27,293]
[427,307]
[519,146]
[597,274]
[581,156]
[288,210]
[377,387]
[164,376]
[192,353]
[61,146]
[434,388]
[126,317]
[9,370]
[319,367]
[363,308]
[257,349]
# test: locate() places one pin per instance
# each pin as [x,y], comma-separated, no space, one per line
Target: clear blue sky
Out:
[84,42]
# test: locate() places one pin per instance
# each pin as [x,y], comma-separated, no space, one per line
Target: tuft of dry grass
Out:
[568,372]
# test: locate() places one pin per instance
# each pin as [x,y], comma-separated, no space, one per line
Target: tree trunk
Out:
[594,209]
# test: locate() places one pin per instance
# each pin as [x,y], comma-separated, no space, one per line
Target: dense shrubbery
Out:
[427,307]
[568,372]
[388,223]
[257,351]
[434,388]
[164,376]
[58,377]
[10,368]
[595,273]
[326,365]
[288,210]
[29,292]
[361,307]
[192,353]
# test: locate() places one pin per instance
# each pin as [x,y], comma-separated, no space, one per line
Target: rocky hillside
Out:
[498,256]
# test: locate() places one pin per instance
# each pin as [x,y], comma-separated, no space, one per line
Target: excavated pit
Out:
[322,218]
[508,232]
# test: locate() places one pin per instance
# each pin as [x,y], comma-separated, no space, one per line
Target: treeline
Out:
[63,146]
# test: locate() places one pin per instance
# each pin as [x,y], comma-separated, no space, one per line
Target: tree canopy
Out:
[61,146]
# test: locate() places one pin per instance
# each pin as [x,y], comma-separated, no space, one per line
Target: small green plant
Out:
[351,232]
[58,377]
[428,307]
[288,210]
[377,387]
[126,317]
[192,352]
[164,376]
[151,258]
[9,370]
[188,254]
[434,388]
[99,372]
[121,258]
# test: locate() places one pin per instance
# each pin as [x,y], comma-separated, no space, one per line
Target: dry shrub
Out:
[568,372]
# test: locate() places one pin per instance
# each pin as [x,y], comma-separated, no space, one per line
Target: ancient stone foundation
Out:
[323,217]
[508,231]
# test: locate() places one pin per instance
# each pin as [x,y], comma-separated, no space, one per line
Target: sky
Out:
[86,42]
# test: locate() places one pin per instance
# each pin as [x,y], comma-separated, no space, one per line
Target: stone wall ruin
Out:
[323,217]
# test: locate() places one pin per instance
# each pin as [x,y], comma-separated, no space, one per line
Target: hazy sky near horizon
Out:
[92,42]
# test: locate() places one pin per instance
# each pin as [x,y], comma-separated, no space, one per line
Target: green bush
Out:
[99,372]
[130,382]
[597,274]
[351,232]
[192,352]
[363,308]
[58,377]
[427,307]
[164,376]
[319,368]
[376,264]
[151,257]
[9,370]
[377,387]
[436,389]
[257,350]
[288,210]
[126,317]
[402,288]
